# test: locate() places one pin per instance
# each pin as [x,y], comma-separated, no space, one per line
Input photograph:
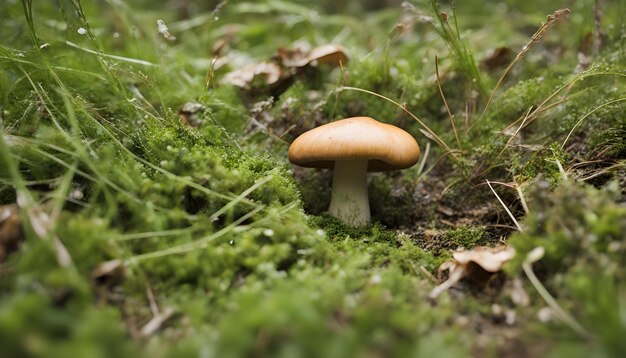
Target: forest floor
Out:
[148,208]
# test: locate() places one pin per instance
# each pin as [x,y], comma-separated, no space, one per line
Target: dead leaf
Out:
[244,77]
[292,57]
[445,210]
[334,55]
[498,58]
[11,234]
[464,262]
[490,259]
[227,34]
[284,65]
[189,114]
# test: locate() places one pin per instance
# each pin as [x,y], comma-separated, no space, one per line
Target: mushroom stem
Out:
[349,200]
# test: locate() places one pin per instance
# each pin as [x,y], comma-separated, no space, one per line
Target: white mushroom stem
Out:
[349,200]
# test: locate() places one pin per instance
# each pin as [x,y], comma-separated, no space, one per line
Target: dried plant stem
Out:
[587,115]
[543,106]
[550,20]
[519,227]
[543,292]
[554,305]
[508,143]
[420,169]
[522,199]
[561,170]
[604,171]
[445,103]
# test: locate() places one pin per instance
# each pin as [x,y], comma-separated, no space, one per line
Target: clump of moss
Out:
[581,230]
[31,324]
[577,223]
[381,313]
[465,236]
[208,221]
[337,230]
[383,247]
[610,143]
[544,163]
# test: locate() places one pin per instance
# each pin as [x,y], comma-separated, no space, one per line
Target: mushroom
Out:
[354,146]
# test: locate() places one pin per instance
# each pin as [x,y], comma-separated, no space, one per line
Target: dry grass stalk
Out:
[550,20]
[445,102]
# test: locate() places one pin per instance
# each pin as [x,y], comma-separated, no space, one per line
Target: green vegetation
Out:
[159,216]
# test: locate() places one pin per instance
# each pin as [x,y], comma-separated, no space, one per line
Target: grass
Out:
[213,224]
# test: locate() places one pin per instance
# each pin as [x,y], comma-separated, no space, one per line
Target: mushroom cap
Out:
[386,147]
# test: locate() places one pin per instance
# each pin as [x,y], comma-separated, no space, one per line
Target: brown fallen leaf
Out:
[11,234]
[245,77]
[464,263]
[292,57]
[228,33]
[498,58]
[334,55]
[330,54]
[189,114]
[490,259]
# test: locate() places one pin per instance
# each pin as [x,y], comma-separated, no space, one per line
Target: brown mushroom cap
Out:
[385,146]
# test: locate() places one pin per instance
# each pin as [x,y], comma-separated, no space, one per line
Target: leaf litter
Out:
[285,64]
[476,263]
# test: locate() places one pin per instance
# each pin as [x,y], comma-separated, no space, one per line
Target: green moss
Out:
[543,163]
[337,230]
[466,237]
[31,325]
[381,247]
[210,222]
[581,230]
[576,222]
[610,142]
[287,320]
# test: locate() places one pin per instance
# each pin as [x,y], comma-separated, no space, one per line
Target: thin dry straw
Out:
[445,102]
[519,227]
[550,20]
[587,115]
[554,305]
[543,292]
